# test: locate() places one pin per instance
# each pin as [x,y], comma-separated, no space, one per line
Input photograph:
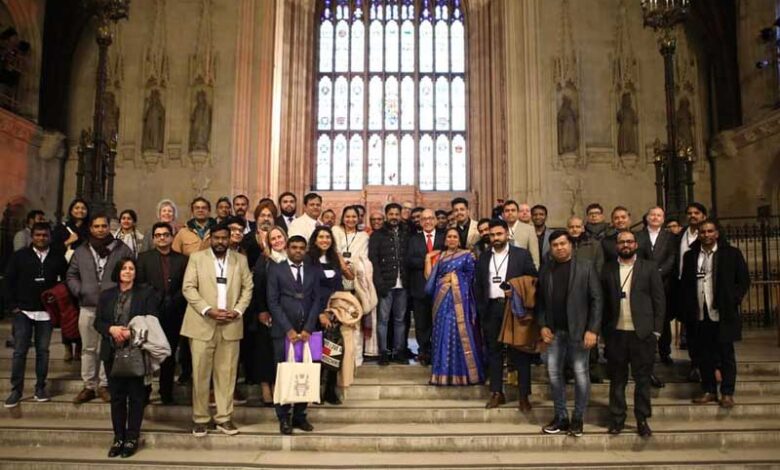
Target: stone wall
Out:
[591,51]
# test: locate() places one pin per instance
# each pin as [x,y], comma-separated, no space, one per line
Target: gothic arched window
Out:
[391,95]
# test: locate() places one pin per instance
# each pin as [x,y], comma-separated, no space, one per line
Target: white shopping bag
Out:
[297,382]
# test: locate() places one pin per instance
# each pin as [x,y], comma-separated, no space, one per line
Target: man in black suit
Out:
[163,269]
[293,299]
[634,311]
[621,220]
[714,281]
[494,268]
[420,244]
[240,209]
[287,208]
[656,244]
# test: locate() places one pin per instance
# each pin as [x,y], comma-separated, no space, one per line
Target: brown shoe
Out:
[68,356]
[104,394]
[84,396]
[496,399]
[727,401]
[706,398]
[523,405]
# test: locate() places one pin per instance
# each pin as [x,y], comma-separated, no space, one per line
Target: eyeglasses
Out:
[626,242]
[162,235]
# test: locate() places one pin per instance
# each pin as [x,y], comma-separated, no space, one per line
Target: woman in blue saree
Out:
[456,355]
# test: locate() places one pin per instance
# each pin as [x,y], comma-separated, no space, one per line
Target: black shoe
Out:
[384,359]
[130,448]
[656,382]
[303,425]
[556,426]
[596,378]
[184,380]
[667,360]
[694,376]
[576,428]
[285,427]
[13,399]
[116,448]
[424,359]
[332,399]
[401,358]
[167,399]
[643,429]
[615,428]
[227,428]
[41,395]
[199,430]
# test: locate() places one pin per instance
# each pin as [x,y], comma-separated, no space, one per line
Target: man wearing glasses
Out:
[163,269]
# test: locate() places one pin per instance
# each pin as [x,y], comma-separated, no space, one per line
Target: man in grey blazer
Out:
[568,309]
[634,309]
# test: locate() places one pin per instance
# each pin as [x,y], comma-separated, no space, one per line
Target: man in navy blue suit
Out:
[494,268]
[294,303]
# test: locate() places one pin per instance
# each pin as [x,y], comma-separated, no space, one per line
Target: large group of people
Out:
[231,294]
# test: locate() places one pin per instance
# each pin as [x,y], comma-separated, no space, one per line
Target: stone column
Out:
[524,100]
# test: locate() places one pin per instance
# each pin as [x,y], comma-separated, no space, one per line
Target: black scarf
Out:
[101,246]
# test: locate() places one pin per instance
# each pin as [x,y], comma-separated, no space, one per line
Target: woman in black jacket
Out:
[116,307]
[322,250]
[66,236]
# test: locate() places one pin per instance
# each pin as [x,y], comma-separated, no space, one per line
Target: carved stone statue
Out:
[154,124]
[628,139]
[684,124]
[111,118]
[568,128]
[200,124]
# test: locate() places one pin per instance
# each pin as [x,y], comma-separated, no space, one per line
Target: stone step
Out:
[421,391]
[51,458]
[479,437]
[371,372]
[408,411]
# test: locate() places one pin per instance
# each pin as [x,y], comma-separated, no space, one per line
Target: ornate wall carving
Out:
[625,95]
[155,79]
[202,72]
[566,78]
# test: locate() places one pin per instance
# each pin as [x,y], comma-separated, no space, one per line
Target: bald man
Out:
[420,244]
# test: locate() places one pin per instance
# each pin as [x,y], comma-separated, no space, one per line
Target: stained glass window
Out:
[391,95]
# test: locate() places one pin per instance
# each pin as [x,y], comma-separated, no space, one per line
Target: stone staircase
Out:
[392,419]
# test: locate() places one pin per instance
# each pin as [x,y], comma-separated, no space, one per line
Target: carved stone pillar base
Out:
[629,161]
[570,161]
[199,159]
[152,160]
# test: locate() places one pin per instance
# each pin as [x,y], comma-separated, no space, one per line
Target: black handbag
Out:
[129,361]
[332,348]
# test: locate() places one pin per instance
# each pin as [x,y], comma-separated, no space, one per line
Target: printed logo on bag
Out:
[331,361]
[301,384]
[329,348]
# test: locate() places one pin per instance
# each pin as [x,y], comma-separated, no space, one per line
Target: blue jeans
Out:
[23,334]
[395,302]
[564,347]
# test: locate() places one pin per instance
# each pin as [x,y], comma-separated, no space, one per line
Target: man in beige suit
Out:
[218,288]
[467,228]
[521,234]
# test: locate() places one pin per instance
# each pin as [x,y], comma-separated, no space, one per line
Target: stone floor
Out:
[391,418]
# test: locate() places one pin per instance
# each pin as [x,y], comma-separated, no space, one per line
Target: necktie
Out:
[428,242]
[298,274]
[289,220]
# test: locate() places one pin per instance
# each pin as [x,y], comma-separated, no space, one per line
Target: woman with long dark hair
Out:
[116,307]
[65,238]
[128,232]
[322,250]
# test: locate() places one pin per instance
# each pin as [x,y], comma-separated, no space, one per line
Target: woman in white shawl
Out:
[352,244]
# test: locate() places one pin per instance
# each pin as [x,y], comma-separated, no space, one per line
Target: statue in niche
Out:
[154,124]
[200,124]
[684,124]
[568,130]
[110,118]
[628,140]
